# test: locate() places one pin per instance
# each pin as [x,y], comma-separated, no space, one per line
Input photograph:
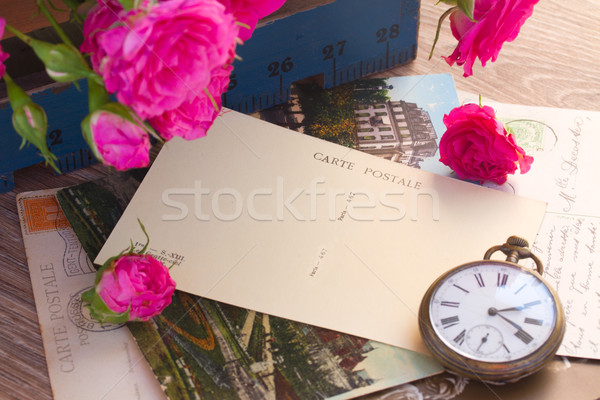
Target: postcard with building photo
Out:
[398,118]
[203,349]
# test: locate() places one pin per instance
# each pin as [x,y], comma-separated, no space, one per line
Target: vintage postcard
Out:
[201,348]
[397,118]
[86,360]
[268,219]
[564,174]
[560,140]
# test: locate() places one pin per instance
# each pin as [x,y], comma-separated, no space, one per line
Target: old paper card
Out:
[212,350]
[86,360]
[275,221]
[200,348]
[565,173]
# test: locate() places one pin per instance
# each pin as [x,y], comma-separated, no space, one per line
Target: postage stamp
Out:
[43,214]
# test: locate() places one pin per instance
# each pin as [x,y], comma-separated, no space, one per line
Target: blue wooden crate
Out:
[341,42]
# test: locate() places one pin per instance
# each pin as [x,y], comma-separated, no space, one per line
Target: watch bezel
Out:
[493,372]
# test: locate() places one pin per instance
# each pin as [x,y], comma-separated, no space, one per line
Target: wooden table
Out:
[554,62]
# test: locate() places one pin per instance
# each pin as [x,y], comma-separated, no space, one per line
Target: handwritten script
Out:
[569,248]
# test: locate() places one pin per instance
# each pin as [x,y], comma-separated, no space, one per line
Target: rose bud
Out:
[130,287]
[116,138]
[29,120]
[64,63]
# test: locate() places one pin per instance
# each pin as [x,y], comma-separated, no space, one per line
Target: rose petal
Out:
[477,146]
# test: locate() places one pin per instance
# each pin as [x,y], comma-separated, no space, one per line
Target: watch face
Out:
[492,311]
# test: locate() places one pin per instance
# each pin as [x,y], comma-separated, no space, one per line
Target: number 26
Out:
[286,66]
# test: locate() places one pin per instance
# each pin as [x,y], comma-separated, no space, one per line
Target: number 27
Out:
[329,50]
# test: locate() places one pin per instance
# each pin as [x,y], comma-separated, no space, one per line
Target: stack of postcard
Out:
[300,263]
[280,222]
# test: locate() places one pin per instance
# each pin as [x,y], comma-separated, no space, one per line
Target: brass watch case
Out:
[492,372]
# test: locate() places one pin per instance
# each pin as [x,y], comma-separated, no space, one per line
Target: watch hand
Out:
[511,309]
[510,322]
[493,311]
[483,340]
[520,308]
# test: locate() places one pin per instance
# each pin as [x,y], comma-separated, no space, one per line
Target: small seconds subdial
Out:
[484,339]
[492,312]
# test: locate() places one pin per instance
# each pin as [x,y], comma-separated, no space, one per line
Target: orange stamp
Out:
[43,214]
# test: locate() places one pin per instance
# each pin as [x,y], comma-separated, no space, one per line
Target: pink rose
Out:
[98,20]
[477,146]
[250,11]
[130,287]
[3,55]
[119,142]
[193,118]
[164,53]
[137,283]
[498,21]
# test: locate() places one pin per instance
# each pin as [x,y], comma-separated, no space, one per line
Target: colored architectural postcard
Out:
[200,348]
[397,118]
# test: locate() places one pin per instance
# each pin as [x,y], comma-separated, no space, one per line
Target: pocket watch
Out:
[492,320]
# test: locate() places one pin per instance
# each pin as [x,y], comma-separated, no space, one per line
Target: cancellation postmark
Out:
[80,316]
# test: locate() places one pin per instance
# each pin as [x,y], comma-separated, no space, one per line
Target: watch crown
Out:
[516,248]
[517,241]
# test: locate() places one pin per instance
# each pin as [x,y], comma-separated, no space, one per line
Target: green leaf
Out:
[72,4]
[145,234]
[88,295]
[467,7]
[212,99]
[86,131]
[97,95]
[55,8]
[100,311]
[439,27]
[117,318]
[121,110]
[129,115]
[16,95]
[127,4]
[152,132]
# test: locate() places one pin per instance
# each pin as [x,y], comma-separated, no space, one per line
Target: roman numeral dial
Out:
[492,312]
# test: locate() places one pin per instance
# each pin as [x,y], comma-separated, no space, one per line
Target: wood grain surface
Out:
[554,62]
[24,15]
